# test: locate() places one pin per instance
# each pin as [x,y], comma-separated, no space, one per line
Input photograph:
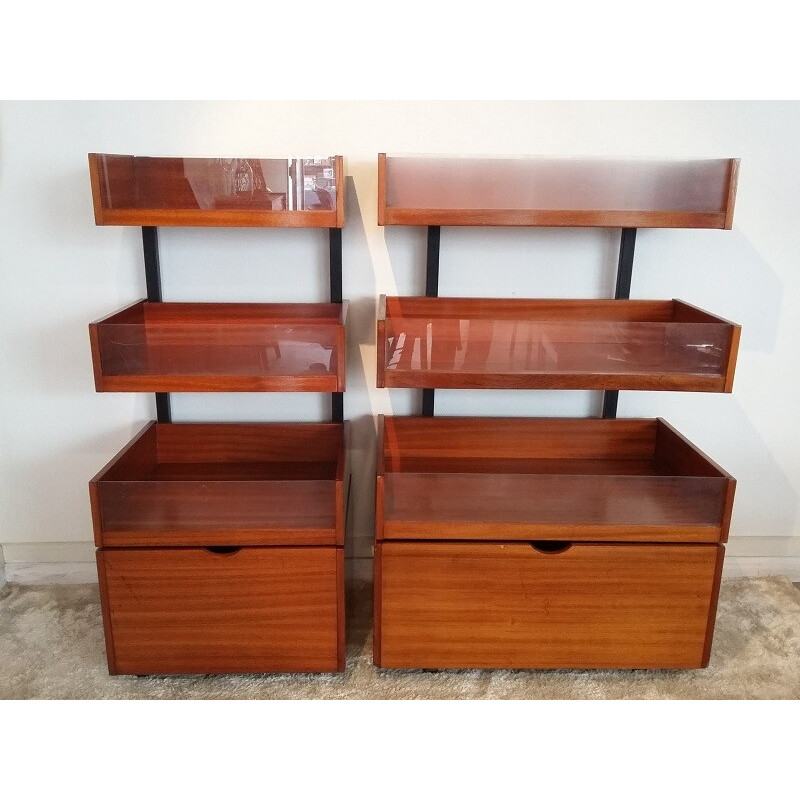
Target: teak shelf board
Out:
[198,484]
[530,191]
[447,605]
[219,347]
[471,343]
[216,192]
[531,479]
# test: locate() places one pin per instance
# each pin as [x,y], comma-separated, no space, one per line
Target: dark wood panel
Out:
[448,605]
[188,610]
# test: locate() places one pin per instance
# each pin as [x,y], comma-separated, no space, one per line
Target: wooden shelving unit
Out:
[539,543]
[220,546]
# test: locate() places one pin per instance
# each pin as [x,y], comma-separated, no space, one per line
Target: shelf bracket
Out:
[627,244]
[335,268]
[431,290]
[152,273]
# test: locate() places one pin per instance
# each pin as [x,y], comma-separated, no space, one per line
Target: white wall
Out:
[59,272]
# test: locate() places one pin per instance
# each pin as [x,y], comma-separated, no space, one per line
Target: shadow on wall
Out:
[358,272]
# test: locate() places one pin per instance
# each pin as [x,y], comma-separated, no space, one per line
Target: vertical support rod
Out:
[335,242]
[627,244]
[152,273]
[431,290]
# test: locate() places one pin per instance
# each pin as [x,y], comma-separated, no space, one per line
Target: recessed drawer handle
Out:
[223,549]
[548,546]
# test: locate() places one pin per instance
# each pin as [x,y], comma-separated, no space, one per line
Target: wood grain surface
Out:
[188,610]
[493,605]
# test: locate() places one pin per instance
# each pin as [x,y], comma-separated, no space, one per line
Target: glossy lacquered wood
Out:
[494,605]
[221,347]
[447,190]
[469,343]
[191,610]
[216,192]
[623,480]
[190,484]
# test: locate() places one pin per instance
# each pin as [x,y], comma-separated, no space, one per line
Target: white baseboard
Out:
[360,569]
[749,566]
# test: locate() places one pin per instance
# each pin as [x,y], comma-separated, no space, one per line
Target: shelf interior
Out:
[192,483]
[449,190]
[610,480]
[493,343]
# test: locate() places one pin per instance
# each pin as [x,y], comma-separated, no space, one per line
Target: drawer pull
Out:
[223,549]
[549,546]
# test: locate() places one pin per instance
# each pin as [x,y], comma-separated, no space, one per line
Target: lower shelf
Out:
[251,609]
[546,543]
[442,605]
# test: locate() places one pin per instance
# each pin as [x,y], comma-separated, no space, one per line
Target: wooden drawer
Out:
[208,610]
[583,605]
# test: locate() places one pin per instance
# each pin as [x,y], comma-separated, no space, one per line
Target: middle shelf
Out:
[221,347]
[481,343]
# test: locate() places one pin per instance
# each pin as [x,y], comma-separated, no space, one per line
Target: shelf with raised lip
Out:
[221,347]
[481,343]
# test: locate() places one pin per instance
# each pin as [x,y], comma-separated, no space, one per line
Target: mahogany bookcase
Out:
[220,546]
[549,543]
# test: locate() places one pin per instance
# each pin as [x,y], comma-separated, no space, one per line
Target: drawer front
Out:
[450,605]
[191,610]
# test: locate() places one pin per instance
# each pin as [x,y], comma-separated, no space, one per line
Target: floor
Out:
[51,646]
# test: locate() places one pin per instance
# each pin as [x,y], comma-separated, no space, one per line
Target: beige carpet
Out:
[51,646]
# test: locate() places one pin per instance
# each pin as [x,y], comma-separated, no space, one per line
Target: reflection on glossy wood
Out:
[188,610]
[224,484]
[445,190]
[586,507]
[568,479]
[167,347]
[460,605]
[557,344]
[145,191]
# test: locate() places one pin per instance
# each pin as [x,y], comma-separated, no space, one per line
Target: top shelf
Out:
[218,192]
[553,192]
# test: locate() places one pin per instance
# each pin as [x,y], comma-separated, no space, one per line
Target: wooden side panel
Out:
[591,606]
[188,610]
[377,605]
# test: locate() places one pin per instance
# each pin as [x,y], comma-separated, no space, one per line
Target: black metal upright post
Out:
[431,290]
[335,242]
[152,273]
[627,244]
